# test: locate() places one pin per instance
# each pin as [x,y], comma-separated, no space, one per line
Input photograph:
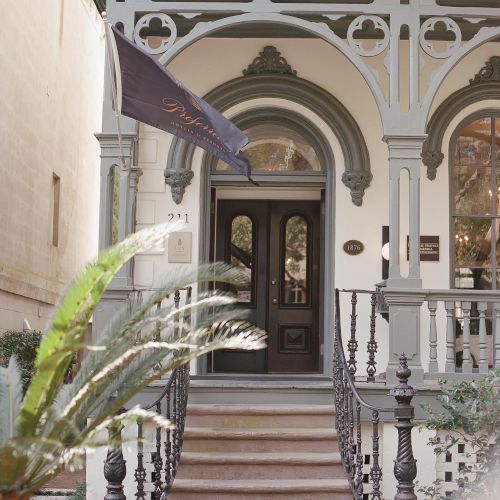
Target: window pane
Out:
[276,148]
[472,242]
[242,254]
[474,278]
[473,147]
[295,267]
[473,194]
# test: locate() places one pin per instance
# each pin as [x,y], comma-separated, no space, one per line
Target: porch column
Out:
[121,285]
[402,291]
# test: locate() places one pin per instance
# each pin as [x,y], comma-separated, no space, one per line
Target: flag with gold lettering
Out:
[149,93]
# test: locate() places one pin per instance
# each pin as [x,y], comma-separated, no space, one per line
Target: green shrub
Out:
[471,415]
[23,346]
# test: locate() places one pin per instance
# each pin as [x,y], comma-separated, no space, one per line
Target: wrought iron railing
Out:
[155,477]
[350,405]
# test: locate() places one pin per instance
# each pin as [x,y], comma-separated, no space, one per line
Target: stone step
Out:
[202,439]
[260,466]
[53,494]
[260,416]
[298,489]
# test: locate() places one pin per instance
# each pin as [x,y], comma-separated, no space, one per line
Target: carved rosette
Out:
[432,160]
[269,61]
[357,182]
[490,72]
[178,180]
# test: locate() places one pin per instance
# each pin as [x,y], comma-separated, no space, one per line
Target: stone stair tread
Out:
[225,458]
[284,433]
[262,485]
[211,409]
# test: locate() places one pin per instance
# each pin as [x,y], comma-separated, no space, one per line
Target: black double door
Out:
[277,245]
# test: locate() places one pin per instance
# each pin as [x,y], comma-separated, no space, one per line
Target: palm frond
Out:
[71,317]
[139,373]
[119,343]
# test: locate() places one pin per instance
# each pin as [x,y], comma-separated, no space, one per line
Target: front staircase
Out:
[259,452]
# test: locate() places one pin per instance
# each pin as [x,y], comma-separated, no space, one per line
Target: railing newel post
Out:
[115,468]
[405,465]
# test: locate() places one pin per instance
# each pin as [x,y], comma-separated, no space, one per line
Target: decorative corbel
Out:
[178,180]
[432,160]
[357,182]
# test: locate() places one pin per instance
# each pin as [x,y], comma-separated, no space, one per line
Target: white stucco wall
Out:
[52,63]
[341,79]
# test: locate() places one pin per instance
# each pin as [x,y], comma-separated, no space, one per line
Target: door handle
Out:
[275,301]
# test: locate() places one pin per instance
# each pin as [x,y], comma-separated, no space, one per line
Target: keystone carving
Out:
[269,61]
[178,180]
[490,72]
[357,182]
[432,160]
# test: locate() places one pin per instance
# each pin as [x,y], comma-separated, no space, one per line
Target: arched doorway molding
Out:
[321,138]
[483,86]
[357,175]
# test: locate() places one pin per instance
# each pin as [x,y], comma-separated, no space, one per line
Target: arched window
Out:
[281,142]
[277,148]
[475,202]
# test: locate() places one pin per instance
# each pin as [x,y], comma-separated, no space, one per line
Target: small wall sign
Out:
[179,247]
[353,247]
[429,248]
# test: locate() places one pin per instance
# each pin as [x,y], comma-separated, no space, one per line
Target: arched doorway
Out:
[274,234]
[303,108]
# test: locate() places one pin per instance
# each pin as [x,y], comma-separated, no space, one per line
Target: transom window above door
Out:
[277,148]
[283,146]
[476,202]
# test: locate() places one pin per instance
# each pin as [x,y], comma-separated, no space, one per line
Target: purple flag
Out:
[152,95]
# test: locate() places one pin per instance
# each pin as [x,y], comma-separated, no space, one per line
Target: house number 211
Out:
[182,217]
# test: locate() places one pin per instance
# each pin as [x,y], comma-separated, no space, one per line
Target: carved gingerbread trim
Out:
[490,72]
[269,62]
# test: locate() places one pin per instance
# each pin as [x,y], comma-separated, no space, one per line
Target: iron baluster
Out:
[371,368]
[375,471]
[405,465]
[352,345]
[158,462]
[350,419]
[359,454]
[168,448]
[140,472]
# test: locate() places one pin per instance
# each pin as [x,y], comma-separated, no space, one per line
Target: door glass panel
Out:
[296,261]
[473,147]
[242,231]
